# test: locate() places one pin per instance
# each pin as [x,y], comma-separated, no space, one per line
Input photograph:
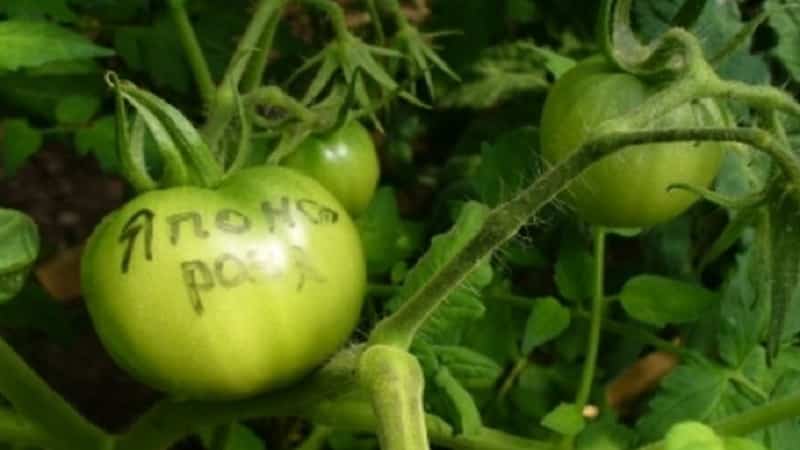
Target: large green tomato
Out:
[344,161]
[628,188]
[228,292]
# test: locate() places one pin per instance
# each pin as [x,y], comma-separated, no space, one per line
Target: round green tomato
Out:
[224,293]
[344,161]
[692,436]
[627,188]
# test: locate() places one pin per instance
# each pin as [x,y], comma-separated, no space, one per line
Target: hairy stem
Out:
[223,108]
[194,54]
[255,71]
[45,410]
[359,416]
[505,220]
[395,382]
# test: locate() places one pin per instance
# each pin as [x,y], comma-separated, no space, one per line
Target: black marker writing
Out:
[272,214]
[175,221]
[197,277]
[131,230]
[232,221]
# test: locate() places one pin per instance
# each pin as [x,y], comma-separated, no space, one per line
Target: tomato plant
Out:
[342,160]
[226,292]
[462,307]
[629,188]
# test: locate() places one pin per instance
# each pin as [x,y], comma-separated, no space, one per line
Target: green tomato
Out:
[344,161]
[628,188]
[225,293]
[692,436]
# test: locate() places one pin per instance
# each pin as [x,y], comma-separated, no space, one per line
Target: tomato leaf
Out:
[448,323]
[548,319]
[76,109]
[784,241]
[19,248]
[505,71]
[472,369]
[566,419]
[784,20]
[659,301]
[32,44]
[37,10]
[690,392]
[574,270]
[19,142]
[99,139]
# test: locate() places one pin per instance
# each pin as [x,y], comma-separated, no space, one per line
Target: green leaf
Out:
[548,319]
[155,50]
[38,9]
[743,316]
[784,19]
[784,241]
[508,164]
[566,419]
[77,109]
[690,392]
[448,323]
[99,139]
[472,369]
[19,142]
[386,237]
[574,270]
[717,25]
[39,95]
[31,44]
[19,248]
[605,434]
[505,71]
[659,301]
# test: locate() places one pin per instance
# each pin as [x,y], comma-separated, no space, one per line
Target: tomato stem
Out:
[20,431]
[194,54]
[255,71]
[47,411]
[223,108]
[395,382]
[504,221]
[595,325]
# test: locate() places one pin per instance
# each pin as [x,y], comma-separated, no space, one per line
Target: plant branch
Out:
[194,54]
[169,421]
[754,419]
[358,416]
[504,221]
[223,107]
[596,322]
[255,71]
[395,382]
[63,427]
[16,430]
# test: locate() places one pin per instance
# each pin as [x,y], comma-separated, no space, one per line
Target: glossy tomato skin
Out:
[224,293]
[628,188]
[344,161]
